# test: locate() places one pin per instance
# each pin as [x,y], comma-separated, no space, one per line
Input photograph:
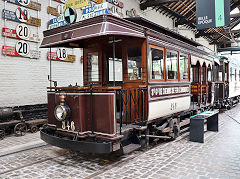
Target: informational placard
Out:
[22,31]
[131,13]
[61,55]
[57,22]
[212,13]
[22,49]
[53,11]
[21,15]
[27,3]
[97,10]
[76,4]
[116,3]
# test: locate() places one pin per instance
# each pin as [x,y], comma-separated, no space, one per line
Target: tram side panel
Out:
[234,83]
[168,100]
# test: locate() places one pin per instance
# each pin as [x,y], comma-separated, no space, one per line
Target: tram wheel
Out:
[2,134]
[34,129]
[20,129]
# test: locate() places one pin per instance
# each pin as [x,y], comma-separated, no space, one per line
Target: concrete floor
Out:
[217,157]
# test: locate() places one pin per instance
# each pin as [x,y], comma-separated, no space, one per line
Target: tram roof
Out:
[73,35]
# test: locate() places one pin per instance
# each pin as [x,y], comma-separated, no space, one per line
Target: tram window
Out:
[195,72]
[209,74]
[239,75]
[118,69]
[183,67]
[157,64]
[171,62]
[204,74]
[134,63]
[235,74]
[92,66]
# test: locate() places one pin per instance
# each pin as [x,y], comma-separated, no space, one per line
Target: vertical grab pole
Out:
[50,78]
[91,107]
[114,55]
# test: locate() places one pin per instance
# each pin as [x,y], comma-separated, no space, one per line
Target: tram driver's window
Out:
[171,62]
[134,63]
[157,64]
[183,67]
[92,66]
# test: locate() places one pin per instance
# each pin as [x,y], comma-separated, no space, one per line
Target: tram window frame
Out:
[204,73]
[177,75]
[150,60]
[127,67]
[209,69]
[85,65]
[238,75]
[179,72]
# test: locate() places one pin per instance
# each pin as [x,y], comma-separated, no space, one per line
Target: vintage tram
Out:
[141,81]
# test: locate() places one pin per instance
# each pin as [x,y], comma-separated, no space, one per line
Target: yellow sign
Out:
[76,4]
[98,1]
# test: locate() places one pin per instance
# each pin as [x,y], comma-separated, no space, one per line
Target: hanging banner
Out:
[97,10]
[22,49]
[61,55]
[27,3]
[21,15]
[76,4]
[212,13]
[22,31]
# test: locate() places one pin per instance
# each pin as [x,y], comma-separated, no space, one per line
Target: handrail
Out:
[69,88]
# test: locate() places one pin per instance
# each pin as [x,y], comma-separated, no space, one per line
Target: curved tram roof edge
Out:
[73,35]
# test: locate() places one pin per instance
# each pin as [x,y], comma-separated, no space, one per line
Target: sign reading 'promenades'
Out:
[21,15]
[27,3]
[212,13]
[22,31]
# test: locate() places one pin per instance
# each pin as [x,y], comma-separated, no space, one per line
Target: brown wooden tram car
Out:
[141,81]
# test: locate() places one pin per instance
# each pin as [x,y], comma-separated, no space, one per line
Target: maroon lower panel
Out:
[99,117]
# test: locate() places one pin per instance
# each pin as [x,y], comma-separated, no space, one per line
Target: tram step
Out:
[131,147]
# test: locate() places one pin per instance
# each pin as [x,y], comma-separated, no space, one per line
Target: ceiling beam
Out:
[202,33]
[235,15]
[183,22]
[150,3]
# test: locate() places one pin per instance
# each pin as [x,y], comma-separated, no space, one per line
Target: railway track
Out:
[55,155]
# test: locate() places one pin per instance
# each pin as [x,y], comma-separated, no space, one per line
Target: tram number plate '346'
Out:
[173,106]
[66,125]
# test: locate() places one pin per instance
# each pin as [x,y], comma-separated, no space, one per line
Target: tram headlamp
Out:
[62,112]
